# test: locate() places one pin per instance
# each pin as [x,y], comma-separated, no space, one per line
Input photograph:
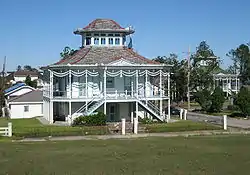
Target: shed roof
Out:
[33,96]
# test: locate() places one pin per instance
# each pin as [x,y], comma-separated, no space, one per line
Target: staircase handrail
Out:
[155,108]
[88,103]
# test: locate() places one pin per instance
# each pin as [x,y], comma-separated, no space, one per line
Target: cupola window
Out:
[117,41]
[103,41]
[111,41]
[96,41]
[88,41]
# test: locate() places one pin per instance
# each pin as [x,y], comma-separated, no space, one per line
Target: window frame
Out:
[110,82]
[26,108]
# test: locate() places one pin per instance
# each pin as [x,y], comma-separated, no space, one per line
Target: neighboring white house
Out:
[106,75]
[17,90]
[228,82]
[26,106]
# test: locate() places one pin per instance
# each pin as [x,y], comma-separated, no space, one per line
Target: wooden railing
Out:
[6,131]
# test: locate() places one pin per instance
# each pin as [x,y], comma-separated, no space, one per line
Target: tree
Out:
[178,77]
[243,102]
[204,63]
[31,83]
[67,51]
[27,67]
[19,68]
[241,62]
[217,100]
[2,101]
[203,97]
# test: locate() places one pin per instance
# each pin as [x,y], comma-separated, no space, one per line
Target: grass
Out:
[180,126]
[213,155]
[33,128]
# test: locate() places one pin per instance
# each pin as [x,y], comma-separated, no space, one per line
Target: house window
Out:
[96,41]
[117,34]
[88,34]
[111,41]
[88,41]
[96,34]
[103,41]
[103,34]
[26,108]
[110,34]
[110,82]
[117,41]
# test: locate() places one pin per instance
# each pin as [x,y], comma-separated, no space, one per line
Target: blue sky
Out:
[35,32]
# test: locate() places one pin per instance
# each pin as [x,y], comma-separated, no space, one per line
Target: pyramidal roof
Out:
[104,25]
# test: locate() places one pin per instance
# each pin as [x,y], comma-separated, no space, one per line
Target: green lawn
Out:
[213,155]
[33,128]
[180,126]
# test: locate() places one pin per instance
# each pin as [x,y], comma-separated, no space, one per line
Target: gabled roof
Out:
[33,96]
[14,87]
[104,55]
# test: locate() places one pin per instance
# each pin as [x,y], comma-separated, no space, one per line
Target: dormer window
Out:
[110,34]
[96,34]
[117,41]
[103,41]
[111,41]
[96,41]
[103,34]
[117,34]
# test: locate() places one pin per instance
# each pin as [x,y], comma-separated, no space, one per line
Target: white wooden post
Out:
[51,84]
[132,89]
[225,122]
[168,96]
[126,94]
[86,82]
[137,90]
[10,129]
[135,125]
[70,108]
[185,114]
[132,117]
[70,85]
[105,93]
[181,112]
[116,94]
[146,83]
[136,109]
[123,126]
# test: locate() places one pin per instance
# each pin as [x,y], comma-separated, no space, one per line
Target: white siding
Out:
[17,110]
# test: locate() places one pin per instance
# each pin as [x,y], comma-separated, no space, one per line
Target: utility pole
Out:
[188,79]
[3,73]
[188,76]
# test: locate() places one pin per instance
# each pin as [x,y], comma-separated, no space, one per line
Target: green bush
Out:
[217,99]
[232,108]
[98,119]
[243,102]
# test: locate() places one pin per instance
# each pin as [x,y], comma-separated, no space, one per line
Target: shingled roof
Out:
[104,55]
[104,25]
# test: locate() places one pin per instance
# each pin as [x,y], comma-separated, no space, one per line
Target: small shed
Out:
[27,105]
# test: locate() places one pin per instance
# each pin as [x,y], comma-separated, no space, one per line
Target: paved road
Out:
[239,123]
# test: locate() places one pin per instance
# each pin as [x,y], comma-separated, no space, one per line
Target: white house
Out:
[27,105]
[228,82]
[17,90]
[106,75]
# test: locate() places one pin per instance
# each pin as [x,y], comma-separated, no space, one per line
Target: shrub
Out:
[98,119]
[243,102]
[232,107]
[217,100]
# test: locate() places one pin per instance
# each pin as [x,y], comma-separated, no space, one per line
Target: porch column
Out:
[137,90]
[168,118]
[136,110]
[104,90]
[146,83]
[227,87]
[86,82]
[160,92]
[70,85]
[51,117]
[236,84]
[51,85]
[70,108]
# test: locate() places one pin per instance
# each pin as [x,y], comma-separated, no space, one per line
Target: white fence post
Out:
[10,129]
[123,126]
[185,114]
[181,112]
[225,122]
[135,125]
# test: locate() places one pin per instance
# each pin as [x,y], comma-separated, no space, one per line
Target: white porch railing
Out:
[6,131]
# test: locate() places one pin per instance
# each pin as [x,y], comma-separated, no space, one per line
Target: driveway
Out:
[239,123]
